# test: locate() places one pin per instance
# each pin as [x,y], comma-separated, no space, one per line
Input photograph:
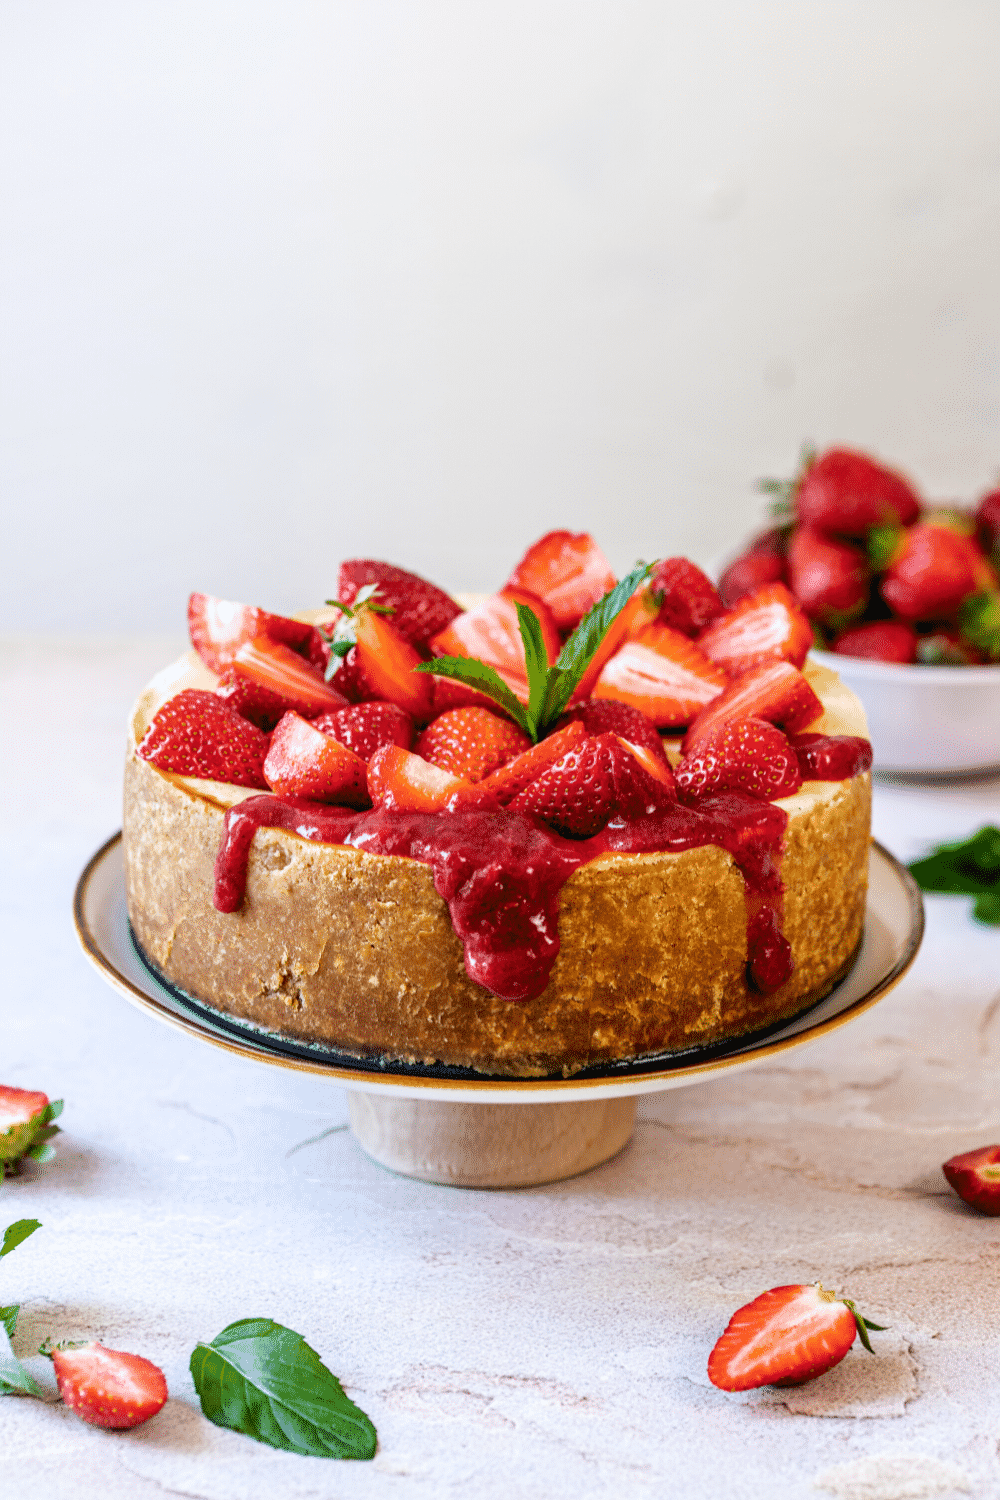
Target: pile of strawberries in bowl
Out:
[550,697]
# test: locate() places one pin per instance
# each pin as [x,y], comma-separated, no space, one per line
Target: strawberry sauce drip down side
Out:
[501,872]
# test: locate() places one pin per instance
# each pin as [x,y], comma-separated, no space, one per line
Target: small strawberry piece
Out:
[491,633]
[195,734]
[934,570]
[108,1388]
[849,493]
[471,742]
[627,625]
[588,785]
[763,562]
[387,660]
[688,599]
[831,757]
[251,699]
[608,715]
[778,693]
[24,1113]
[420,609]
[509,780]
[218,628]
[664,675]
[767,625]
[988,527]
[568,571]
[829,578]
[655,764]
[267,667]
[975,1176]
[366,727]
[304,762]
[784,1337]
[400,781]
[740,755]
[880,640]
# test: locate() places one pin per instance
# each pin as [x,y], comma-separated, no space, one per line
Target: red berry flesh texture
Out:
[108,1388]
[400,781]
[783,1337]
[767,625]
[848,493]
[196,734]
[281,673]
[366,727]
[762,563]
[302,761]
[777,692]
[688,598]
[387,662]
[568,571]
[505,784]
[975,1176]
[667,677]
[420,609]
[880,640]
[829,578]
[934,570]
[219,627]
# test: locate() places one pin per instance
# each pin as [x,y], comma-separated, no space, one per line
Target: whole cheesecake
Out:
[357,952]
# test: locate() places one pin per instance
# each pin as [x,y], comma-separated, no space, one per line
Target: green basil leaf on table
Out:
[970,867]
[15,1234]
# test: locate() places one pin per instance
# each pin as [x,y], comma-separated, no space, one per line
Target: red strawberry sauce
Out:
[501,872]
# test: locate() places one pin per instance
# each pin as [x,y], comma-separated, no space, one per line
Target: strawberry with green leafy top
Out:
[848,493]
[420,610]
[975,1176]
[786,1336]
[767,625]
[106,1387]
[25,1127]
[664,675]
[400,781]
[740,755]
[471,742]
[366,727]
[302,761]
[219,627]
[568,572]
[934,569]
[369,658]
[196,734]
[688,600]
[879,640]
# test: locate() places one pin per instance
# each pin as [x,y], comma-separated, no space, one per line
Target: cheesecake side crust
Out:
[357,951]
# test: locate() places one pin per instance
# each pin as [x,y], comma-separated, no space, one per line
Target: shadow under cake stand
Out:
[450,1125]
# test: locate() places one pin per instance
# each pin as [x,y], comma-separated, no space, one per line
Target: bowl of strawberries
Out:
[904,602]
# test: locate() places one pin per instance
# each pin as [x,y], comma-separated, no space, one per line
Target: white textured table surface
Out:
[546,1342]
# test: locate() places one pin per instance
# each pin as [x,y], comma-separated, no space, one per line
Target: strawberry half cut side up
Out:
[491,633]
[25,1127]
[195,734]
[765,626]
[219,627]
[786,1336]
[975,1176]
[579,794]
[107,1387]
[273,671]
[778,693]
[664,675]
[568,572]
[302,761]
[420,610]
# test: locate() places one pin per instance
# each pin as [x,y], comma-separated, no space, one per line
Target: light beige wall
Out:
[284,282]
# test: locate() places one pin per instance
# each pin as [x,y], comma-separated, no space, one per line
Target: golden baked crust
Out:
[357,951]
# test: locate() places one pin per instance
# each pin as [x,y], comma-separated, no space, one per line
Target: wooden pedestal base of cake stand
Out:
[490,1145]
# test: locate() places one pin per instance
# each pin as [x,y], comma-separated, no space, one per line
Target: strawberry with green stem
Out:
[26,1128]
[787,1336]
[369,658]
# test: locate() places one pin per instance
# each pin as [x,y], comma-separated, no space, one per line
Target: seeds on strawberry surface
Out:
[778,693]
[420,610]
[786,1336]
[107,1387]
[603,715]
[568,572]
[509,780]
[471,742]
[581,791]
[196,734]
[302,761]
[975,1176]
[400,781]
[366,727]
[740,755]
[689,601]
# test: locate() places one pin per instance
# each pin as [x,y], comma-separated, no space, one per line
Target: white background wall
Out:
[284,282]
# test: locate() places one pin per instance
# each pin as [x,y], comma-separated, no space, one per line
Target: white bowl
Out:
[926,721]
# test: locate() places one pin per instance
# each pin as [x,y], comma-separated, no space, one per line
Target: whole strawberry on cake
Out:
[582,820]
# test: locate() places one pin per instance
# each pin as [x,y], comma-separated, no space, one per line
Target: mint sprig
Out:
[263,1380]
[14,1378]
[968,868]
[550,688]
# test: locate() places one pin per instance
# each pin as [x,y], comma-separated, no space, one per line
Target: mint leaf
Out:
[535,660]
[578,652]
[263,1380]
[8,1319]
[968,868]
[475,673]
[15,1234]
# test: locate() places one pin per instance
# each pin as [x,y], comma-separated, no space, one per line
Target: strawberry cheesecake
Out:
[578,822]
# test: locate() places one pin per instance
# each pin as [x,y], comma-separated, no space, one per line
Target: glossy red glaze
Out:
[831,757]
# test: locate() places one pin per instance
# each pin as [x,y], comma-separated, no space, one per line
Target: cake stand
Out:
[450,1125]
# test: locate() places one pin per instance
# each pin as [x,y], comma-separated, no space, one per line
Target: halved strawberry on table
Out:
[302,761]
[219,627]
[196,734]
[471,742]
[366,727]
[767,625]
[401,781]
[420,610]
[25,1127]
[740,755]
[975,1176]
[786,1336]
[664,675]
[107,1387]
[568,572]
[777,692]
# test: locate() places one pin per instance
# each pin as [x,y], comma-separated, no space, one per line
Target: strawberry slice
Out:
[880,640]
[270,673]
[400,781]
[568,571]
[628,624]
[777,692]
[420,609]
[509,780]
[580,793]
[608,715]
[219,627]
[304,762]
[655,764]
[491,633]
[765,626]
[740,755]
[251,699]
[829,578]
[975,1176]
[688,598]
[366,727]
[786,1336]
[470,742]
[763,562]
[106,1387]
[664,675]
[194,734]
[387,660]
